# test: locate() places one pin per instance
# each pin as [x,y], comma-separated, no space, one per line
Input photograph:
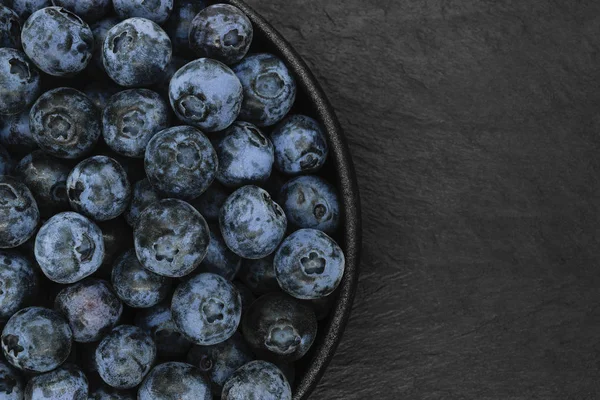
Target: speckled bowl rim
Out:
[330,336]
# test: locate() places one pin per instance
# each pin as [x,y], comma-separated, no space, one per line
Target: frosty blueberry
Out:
[157,320]
[178,25]
[99,92]
[89,10]
[175,381]
[259,275]
[154,10]
[67,382]
[105,392]
[258,379]
[100,30]
[10,28]
[18,283]
[12,387]
[19,214]
[15,133]
[143,195]
[19,81]
[26,7]
[219,259]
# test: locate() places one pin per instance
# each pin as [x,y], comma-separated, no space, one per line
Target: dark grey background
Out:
[475,130]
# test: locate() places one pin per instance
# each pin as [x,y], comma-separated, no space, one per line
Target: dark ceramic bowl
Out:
[339,169]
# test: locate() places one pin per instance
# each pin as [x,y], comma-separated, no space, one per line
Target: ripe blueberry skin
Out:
[300,145]
[252,224]
[98,188]
[219,259]
[65,383]
[135,285]
[19,214]
[12,387]
[136,52]
[310,202]
[36,339]
[155,10]
[57,41]
[269,89]
[259,275]
[143,195]
[19,283]
[131,118]
[175,381]
[206,309]
[10,28]
[65,123]
[279,327]
[206,93]
[100,92]
[180,162]
[125,356]
[178,25]
[100,30]
[46,177]
[221,32]
[26,7]
[245,155]
[105,392]
[210,202]
[91,307]
[221,360]
[157,320]
[69,247]
[19,81]
[89,10]
[6,162]
[15,133]
[309,264]
[257,379]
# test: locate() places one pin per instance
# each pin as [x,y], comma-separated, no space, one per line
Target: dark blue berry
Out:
[206,93]
[175,381]
[19,214]
[259,275]
[207,309]
[10,28]
[219,259]
[100,30]
[178,25]
[36,339]
[19,81]
[154,10]
[269,89]
[11,383]
[143,195]
[6,162]
[89,10]
[26,7]
[18,283]
[222,32]
[105,392]
[252,224]
[210,202]
[257,379]
[100,92]
[67,382]
[157,320]
[309,264]
[15,133]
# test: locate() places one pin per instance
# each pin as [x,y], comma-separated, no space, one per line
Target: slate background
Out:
[474,126]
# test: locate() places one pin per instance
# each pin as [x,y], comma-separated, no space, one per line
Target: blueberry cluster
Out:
[163,230]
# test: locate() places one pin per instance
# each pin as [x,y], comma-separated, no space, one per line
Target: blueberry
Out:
[57,41]
[300,145]
[210,202]
[279,327]
[18,283]
[65,123]
[246,295]
[221,360]
[15,133]
[252,224]
[90,10]
[178,25]
[259,275]
[100,30]
[6,162]
[245,155]
[11,383]
[26,7]
[10,28]
[219,259]
[125,356]
[36,339]
[175,381]
[309,264]
[311,202]
[19,214]
[181,162]
[154,10]
[64,383]
[207,309]
[91,307]
[131,119]
[143,195]
[135,285]
[269,89]
[19,81]
[69,247]
[222,32]
[99,92]
[46,177]
[105,392]
[205,93]
[136,52]
[257,379]
[157,320]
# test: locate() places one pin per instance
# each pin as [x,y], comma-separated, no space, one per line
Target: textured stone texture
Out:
[474,129]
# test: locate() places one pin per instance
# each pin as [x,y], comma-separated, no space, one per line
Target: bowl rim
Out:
[348,189]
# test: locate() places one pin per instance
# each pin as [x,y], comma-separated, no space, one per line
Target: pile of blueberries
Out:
[163,234]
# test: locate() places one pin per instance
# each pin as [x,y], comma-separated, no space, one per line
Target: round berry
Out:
[309,264]
[257,379]
[100,30]
[181,162]
[69,247]
[222,32]
[210,202]
[269,89]
[18,283]
[175,381]
[105,392]
[143,195]
[15,133]
[19,214]
[206,93]
[252,224]
[65,123]
[135,285]
[57,41]
[36,339]
[26,7]
[157,320]
[90,10]
[245,155]
[100,92]
[10,28]
[67,382]
[136,52]
[219,259]
[6,162]
[154,10]
[125,356]
[178,25]
[207,309]
[91,307]
[12,387]
[259,275]
[279,327]
[19,81]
